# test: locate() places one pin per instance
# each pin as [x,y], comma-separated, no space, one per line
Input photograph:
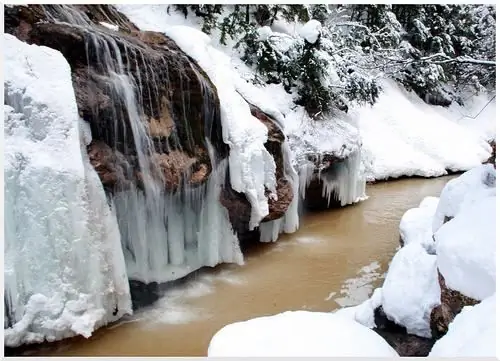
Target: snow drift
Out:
[298,333]
[64,268]
[471,334]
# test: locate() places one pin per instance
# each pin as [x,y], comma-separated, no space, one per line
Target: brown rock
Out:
[452,303]
[176,99]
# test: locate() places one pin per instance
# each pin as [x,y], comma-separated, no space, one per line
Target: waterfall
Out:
[165,234]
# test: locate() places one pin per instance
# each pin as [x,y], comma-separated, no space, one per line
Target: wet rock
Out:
[452,303]
[493,157]
[239,207]
[405,344]
[180,105]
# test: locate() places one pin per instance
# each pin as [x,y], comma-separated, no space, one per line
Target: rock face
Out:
[238,206]
[176,98]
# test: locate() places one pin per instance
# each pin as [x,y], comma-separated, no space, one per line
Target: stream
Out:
[335,259]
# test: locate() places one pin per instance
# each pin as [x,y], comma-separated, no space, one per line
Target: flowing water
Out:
[335,259]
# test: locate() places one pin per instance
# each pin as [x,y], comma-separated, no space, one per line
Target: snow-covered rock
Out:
[251,167]
[311,31]
[471,334]
[64,270]
[411,289]
[466,249]
[463,191]
[365,312]
[299,333]
[416,224]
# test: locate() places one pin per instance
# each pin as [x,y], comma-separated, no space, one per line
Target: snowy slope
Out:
[405,136]
[64,268]
[299,333]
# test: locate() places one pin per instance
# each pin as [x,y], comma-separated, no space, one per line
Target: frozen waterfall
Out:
[64,269]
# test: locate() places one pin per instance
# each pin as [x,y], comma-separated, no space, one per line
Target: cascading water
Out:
[165,234]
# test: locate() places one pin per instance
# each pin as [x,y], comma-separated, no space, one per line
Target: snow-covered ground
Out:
[64,268]
[299,333]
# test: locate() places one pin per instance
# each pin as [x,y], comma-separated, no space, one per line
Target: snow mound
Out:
[463,191]
[402,135]
[299,333]
[466,249]
[365,312]
[411,289]
[471,334]
[311,31]
[416,224]
[64,268]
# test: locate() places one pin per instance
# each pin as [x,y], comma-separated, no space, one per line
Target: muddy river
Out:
[335,259]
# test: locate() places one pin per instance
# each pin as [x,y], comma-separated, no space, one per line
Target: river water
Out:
[335,259]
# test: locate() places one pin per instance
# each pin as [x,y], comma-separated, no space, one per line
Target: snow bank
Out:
[402,135]
[466,249]
[411,289]
[365,312]
[416,224]
[461,192]
[471,334]
[64,268]
[311,31]
[299,333]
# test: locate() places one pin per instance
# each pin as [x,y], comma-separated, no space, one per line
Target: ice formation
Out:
[411,289]
[164,235]
[298,333]
[64,269]
[363,313]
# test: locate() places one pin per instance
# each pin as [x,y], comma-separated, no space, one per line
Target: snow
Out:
[311,31]
[298,333]
[466,249]
[411,289]
[471,334]
[109,26]
[402,135]
[460,192]
[64,268]
[363,313]
[416,224]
